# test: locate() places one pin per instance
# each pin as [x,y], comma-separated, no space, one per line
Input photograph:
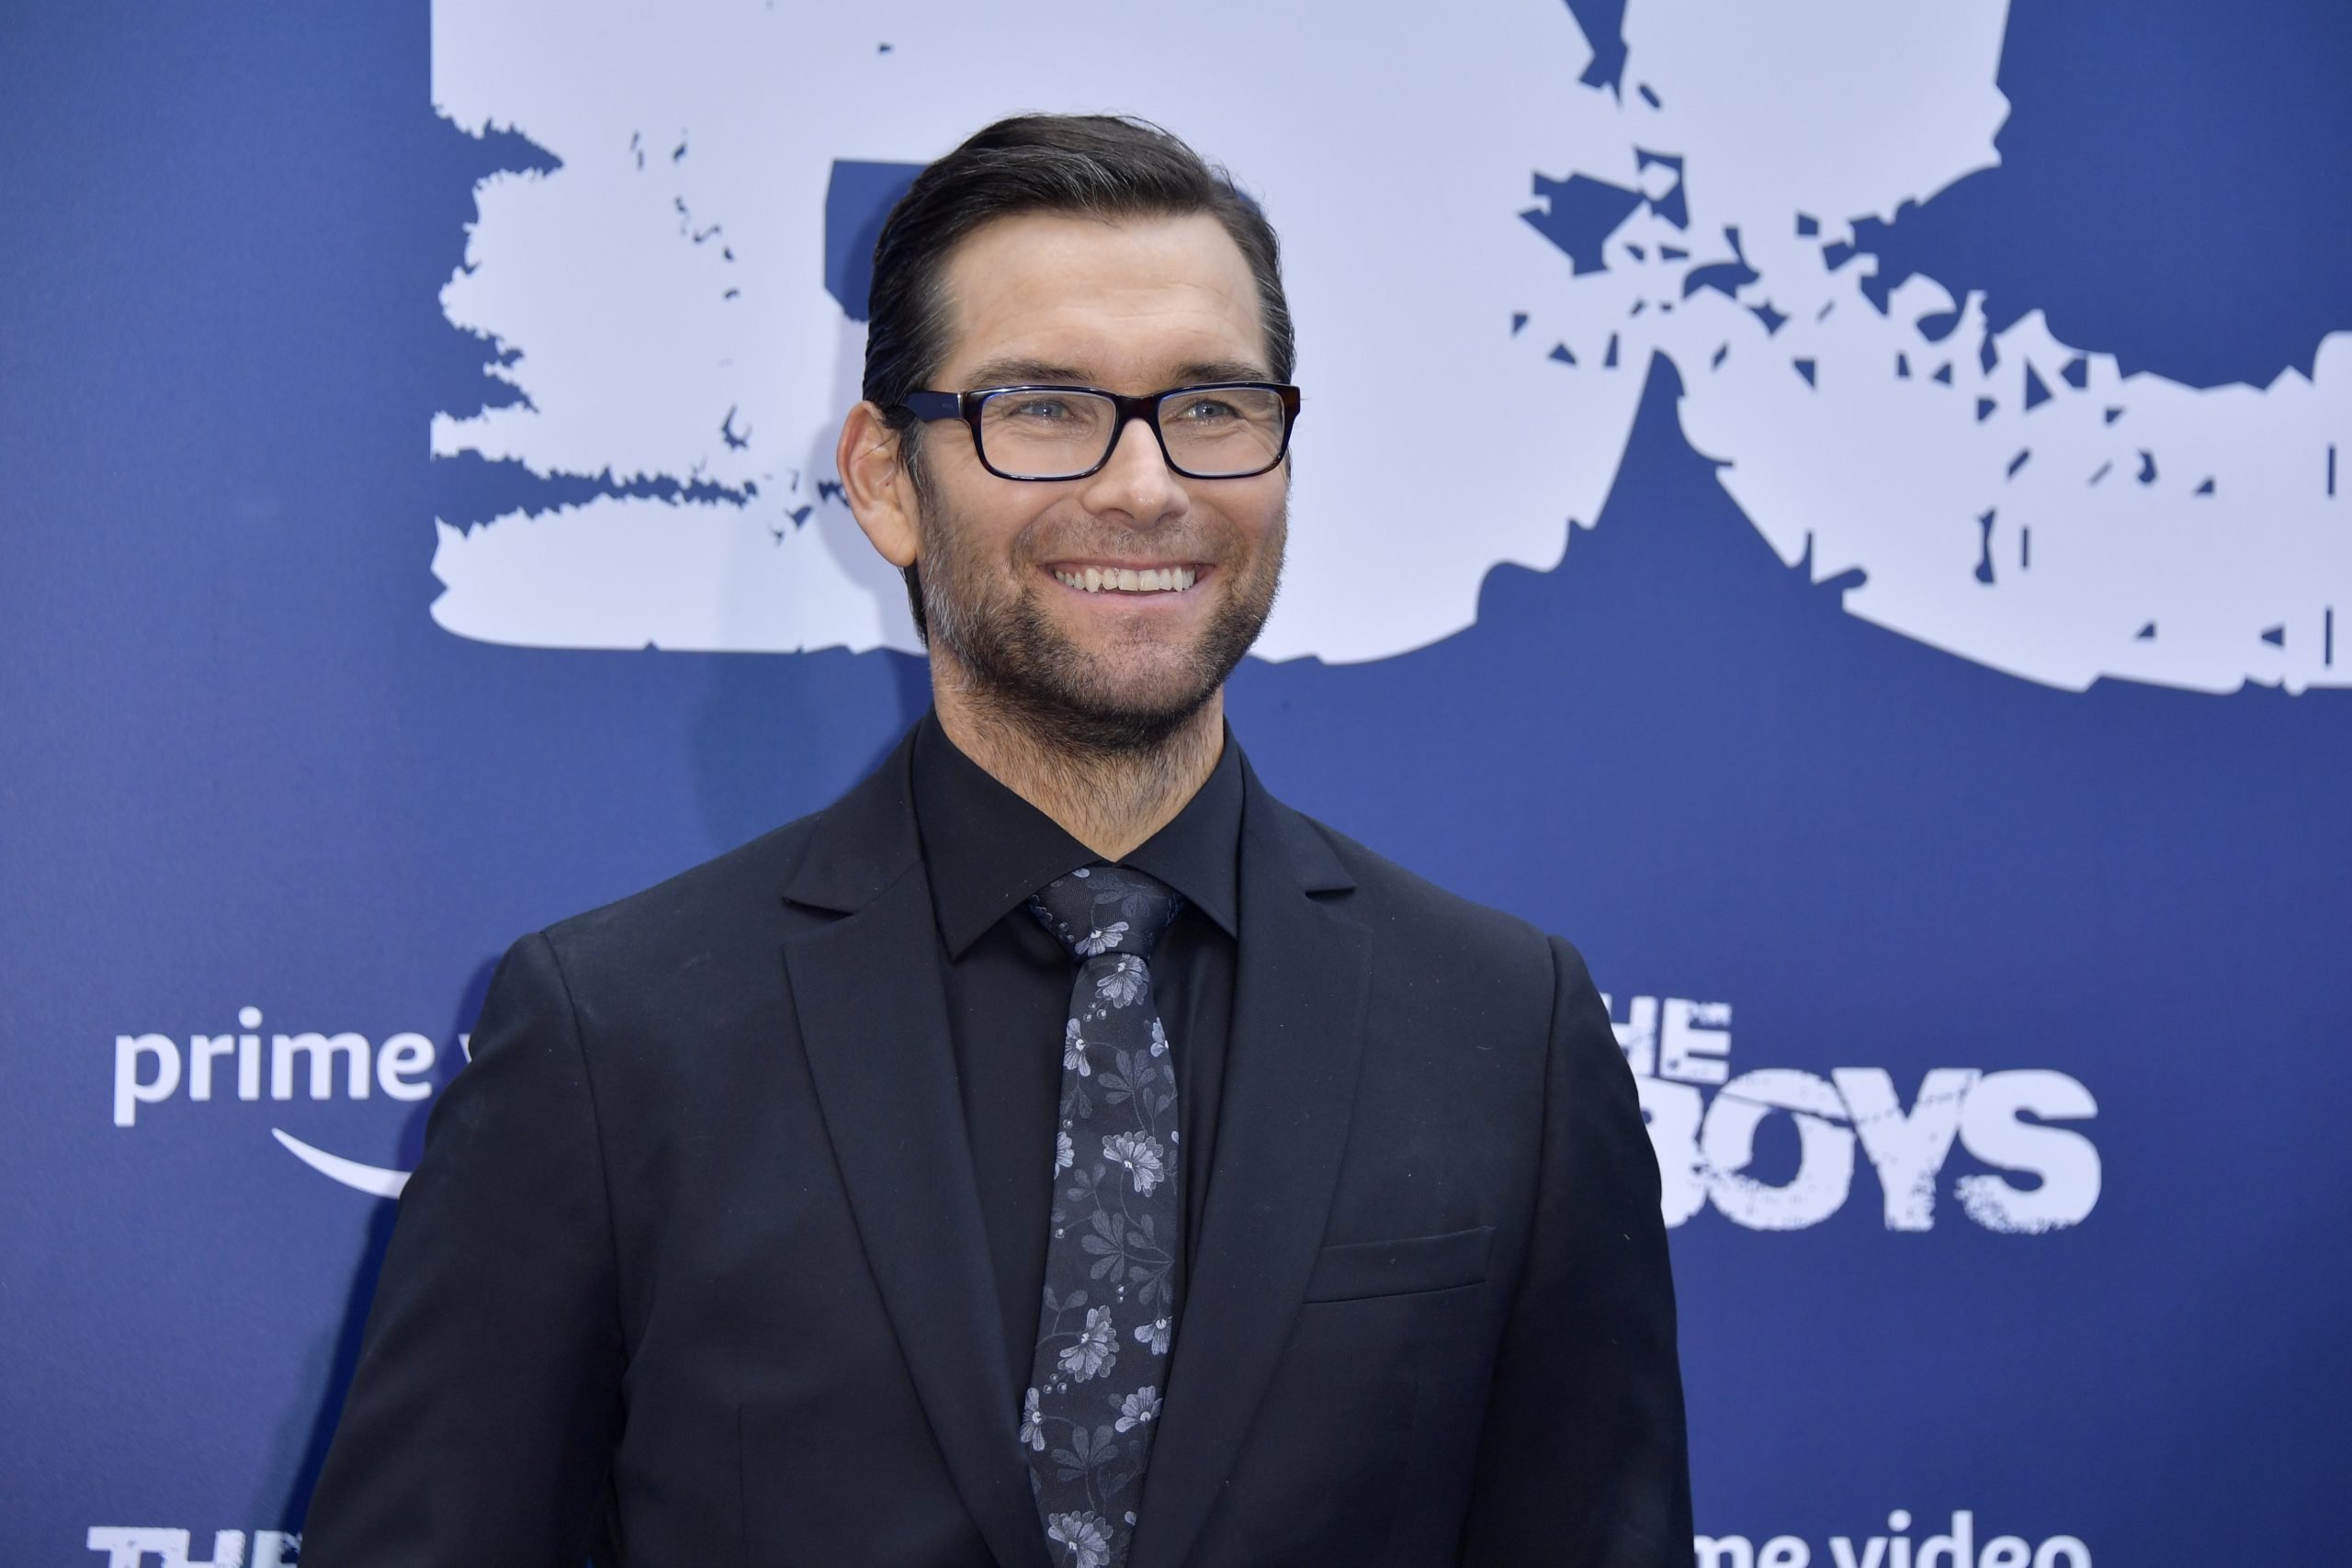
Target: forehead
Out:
[1131,300]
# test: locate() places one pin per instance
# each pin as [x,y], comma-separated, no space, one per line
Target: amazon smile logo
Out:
[246,1064]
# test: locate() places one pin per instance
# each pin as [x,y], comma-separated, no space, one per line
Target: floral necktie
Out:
[1101,1360]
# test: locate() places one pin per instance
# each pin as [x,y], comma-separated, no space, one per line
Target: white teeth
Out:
[1126,580]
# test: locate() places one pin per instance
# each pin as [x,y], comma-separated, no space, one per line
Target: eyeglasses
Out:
[1226,430]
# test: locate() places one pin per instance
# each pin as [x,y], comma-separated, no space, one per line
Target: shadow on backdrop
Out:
[772,740]
[309,1428]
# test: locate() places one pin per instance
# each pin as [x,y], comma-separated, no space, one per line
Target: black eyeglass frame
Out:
[967,406]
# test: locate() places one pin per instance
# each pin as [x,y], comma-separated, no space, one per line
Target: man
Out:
[1059,1151]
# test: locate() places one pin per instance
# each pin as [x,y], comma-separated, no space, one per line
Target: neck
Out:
[1111,802]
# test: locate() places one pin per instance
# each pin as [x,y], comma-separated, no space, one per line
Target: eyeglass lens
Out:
[1211,433]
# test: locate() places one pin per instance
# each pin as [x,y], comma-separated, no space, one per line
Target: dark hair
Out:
[1104,167]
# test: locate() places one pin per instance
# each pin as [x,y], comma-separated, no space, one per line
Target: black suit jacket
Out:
[692,1271]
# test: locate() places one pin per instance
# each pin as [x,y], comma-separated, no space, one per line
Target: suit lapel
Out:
[873,1014]
[1290,1083]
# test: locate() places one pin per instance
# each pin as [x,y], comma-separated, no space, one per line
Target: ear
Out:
[880,493]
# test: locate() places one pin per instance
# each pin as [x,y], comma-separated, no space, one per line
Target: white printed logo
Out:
[150,1070]
[1955,1549]
[1705,1141]
[659,301]
[138,1547]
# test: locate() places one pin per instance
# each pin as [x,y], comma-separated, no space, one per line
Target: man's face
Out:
[1136,306]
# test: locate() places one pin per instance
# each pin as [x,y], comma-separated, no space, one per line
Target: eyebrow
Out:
[1224,370]
[1019,372]
[1015,372]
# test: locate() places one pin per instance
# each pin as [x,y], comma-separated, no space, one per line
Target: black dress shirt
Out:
[986,851]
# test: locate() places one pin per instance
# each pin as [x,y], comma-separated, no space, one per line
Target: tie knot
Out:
[1104,908]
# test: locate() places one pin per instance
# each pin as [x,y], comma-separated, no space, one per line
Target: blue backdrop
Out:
[250,787]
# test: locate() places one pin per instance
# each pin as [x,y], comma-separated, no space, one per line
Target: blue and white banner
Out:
[1843,508]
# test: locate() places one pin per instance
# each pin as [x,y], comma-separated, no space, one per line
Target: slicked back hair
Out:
[1103,166]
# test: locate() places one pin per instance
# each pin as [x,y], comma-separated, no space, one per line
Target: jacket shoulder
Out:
[1408,912]
[705,908]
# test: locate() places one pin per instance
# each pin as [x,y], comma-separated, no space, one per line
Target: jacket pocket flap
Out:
[1398,1268]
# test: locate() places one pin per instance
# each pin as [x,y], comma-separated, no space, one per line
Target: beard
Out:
[1116,702]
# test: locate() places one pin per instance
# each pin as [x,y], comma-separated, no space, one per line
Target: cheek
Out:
[1262,519]
[976,540]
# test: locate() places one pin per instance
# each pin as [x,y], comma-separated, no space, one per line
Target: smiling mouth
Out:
[1126,580]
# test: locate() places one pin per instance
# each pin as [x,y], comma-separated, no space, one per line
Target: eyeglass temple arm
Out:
[934,405]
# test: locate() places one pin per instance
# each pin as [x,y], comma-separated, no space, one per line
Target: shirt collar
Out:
[987,849]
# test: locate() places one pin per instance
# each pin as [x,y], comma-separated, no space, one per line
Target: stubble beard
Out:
[1026,673]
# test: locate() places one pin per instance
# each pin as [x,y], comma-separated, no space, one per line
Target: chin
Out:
[1112,705]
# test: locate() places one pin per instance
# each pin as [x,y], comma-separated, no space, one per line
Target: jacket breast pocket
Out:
[1406,1266]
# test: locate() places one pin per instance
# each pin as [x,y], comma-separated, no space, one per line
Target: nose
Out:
[1136,484]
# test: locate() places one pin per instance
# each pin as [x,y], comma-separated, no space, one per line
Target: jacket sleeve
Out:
[482,1416]
[1584,1460]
